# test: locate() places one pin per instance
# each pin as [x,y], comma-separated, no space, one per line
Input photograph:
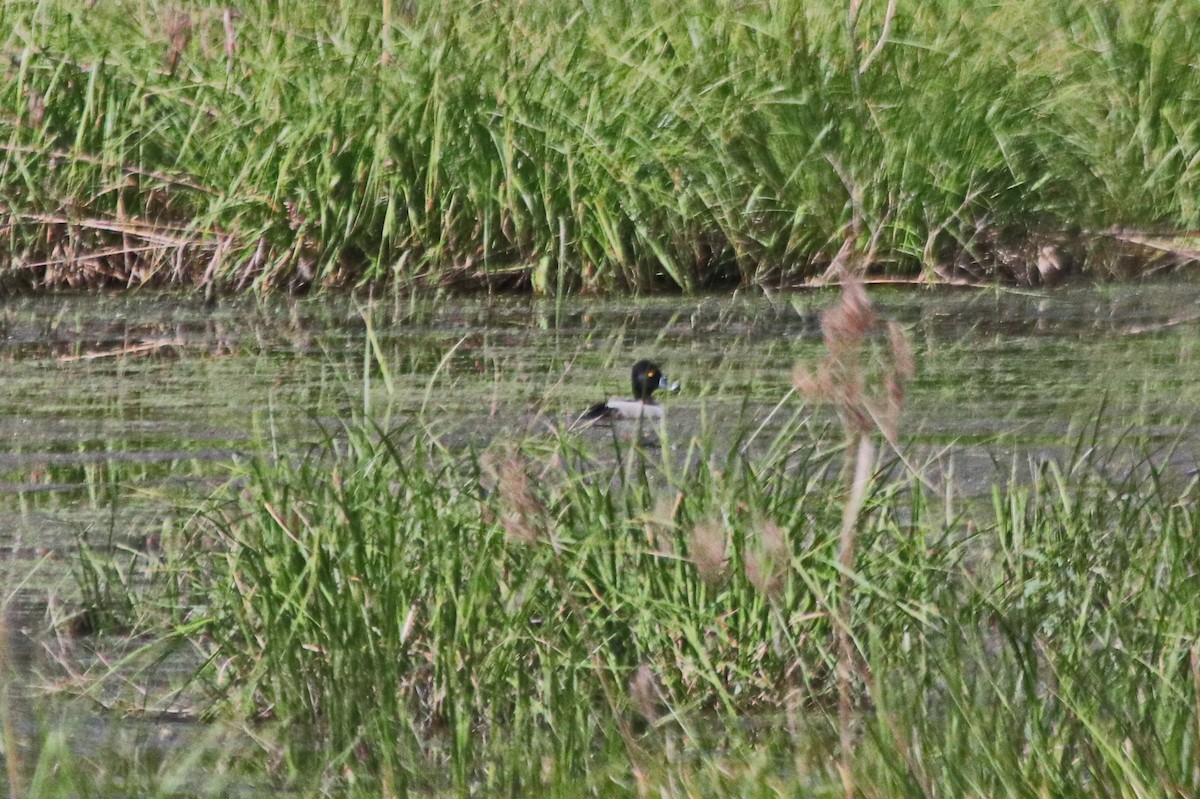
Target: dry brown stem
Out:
[843,377]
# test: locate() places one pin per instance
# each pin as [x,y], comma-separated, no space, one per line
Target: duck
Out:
[647,377]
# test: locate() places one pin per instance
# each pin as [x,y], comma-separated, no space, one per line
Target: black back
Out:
[598,411]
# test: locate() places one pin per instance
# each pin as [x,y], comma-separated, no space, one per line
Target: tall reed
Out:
[613,145]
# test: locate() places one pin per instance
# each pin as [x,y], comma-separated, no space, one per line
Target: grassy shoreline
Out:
[606,146]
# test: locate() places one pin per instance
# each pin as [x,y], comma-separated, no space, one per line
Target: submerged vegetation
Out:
[590,146]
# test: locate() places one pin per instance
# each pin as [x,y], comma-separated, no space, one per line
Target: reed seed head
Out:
[660,523]
[767,558]
[865,382]
[646,694]
[177,25]
[522,514]
[708,546]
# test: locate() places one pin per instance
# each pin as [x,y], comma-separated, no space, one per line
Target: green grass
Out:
[397,617]
[597,146]
[555,618]
[385,613]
